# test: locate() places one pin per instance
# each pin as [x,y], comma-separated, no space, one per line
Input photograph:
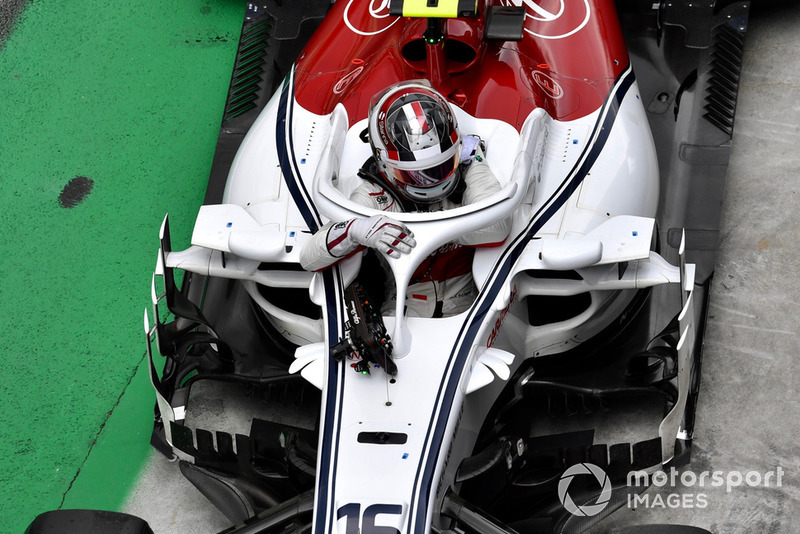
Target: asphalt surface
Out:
[110,117]
[9,11]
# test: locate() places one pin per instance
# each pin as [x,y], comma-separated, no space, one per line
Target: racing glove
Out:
[391,237]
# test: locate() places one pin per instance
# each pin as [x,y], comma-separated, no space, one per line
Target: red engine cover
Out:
[568,59]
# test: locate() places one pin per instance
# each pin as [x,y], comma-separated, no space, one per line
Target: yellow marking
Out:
[420,8]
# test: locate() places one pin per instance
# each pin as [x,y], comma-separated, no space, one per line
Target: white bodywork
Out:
[583,195]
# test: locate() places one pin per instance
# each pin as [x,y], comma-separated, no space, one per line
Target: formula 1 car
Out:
[608,126]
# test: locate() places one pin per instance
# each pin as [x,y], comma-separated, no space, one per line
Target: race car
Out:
[577,362]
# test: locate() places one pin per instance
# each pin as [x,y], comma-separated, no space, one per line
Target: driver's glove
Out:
[379,232]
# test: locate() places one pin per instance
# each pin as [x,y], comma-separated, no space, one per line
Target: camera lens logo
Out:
[587,510]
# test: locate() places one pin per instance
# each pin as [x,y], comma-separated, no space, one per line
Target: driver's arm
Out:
[481,183]
[338,240]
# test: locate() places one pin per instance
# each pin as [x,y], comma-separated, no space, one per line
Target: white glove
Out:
[391,237]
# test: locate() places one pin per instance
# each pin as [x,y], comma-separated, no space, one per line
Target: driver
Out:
[420,163]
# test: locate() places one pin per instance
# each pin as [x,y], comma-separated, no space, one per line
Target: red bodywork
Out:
[568,59]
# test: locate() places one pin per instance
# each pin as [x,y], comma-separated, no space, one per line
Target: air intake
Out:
[726,69]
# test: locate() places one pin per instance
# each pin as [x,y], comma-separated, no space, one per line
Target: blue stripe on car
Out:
[323,510]
[285,146]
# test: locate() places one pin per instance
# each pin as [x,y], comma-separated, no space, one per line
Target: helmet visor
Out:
[427,177]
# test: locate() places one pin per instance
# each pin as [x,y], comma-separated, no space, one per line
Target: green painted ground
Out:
[128,95]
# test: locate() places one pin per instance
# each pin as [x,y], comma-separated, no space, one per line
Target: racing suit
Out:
[442,285]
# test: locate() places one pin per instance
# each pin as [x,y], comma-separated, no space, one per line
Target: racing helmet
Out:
[416,142]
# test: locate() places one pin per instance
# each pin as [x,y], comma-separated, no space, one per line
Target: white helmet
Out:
[414,134]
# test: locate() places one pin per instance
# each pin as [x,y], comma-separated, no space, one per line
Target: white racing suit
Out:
[442,285]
